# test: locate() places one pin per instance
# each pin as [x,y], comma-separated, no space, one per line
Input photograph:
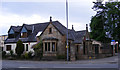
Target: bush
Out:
[30,54]
[8,55]
[61,57]
[26,56]
[3,54]
[19,48]
[11,53]
[38,50]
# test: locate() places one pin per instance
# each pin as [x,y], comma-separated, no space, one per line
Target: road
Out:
[111,63]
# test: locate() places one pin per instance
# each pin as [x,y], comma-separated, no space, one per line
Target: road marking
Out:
[25,67]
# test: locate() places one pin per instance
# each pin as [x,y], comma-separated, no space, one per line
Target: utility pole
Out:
[67,28]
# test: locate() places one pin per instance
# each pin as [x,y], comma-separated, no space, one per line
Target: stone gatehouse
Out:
[53,35]
[54,41]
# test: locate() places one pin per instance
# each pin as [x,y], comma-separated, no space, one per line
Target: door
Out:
[96,49]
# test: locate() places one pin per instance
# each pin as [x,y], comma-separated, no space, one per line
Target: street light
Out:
[116,42]
[67,29]
[117,46]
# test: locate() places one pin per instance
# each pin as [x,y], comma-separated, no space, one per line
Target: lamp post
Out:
[67,28]
[117,46]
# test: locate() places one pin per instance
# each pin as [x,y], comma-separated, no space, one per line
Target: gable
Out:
[23,30]
[54,26]
[54,33]
[11,31]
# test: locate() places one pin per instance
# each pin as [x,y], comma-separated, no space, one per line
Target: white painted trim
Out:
[13,46]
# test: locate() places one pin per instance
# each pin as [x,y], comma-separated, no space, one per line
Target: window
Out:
[84,48]
[26,47]
[53,46]
[11,35]
[50,30]
[56,46]
[77,48]
[45,46]
[23,35]
[2,48]
[48,46]
[8,47]
[69,46]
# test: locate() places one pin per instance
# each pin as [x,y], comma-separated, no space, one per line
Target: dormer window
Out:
[23,35]
[11,34]
[50,30]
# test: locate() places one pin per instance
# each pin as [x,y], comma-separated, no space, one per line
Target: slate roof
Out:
[32,37]
[15,28]
[79,36]
[76,36]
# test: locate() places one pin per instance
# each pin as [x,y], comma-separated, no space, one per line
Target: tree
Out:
[107,18]
[38,49]
[19,48]
[113,20]
[97,28]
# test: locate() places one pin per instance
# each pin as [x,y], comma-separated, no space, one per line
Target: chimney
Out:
[50,19]
[32,28]
[86,27]
[72,27]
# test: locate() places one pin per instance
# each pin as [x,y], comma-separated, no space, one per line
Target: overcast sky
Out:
[15,13]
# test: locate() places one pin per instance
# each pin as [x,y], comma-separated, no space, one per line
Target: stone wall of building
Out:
[55,34]
[80,54]
[72,55]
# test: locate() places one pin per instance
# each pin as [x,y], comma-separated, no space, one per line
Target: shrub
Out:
[38,50]
[61,57]
[8,55]
[19,48]
[11,53]
[26,56]
[30,54]
[3,54]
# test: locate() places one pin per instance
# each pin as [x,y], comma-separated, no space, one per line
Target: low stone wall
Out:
[98,56]
[103,55]
[81,57]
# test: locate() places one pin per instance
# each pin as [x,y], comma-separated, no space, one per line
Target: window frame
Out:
[8,47]
[77,48]
[26,47]
[50,30]
[53,48]
[48,46]
[24,35]
[45,46]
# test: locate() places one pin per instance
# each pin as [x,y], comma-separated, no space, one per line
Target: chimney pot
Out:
[72,27]
[87,27]
[50,19]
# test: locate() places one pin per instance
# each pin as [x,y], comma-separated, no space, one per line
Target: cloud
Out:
[43,0]
[14,20]
[51,0]
[12,17]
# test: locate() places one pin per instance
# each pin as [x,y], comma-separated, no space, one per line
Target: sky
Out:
[15,13]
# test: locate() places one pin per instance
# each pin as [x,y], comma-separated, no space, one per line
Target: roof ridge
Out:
[80,31]
[41,23]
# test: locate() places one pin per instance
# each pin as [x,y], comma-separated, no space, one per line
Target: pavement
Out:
[110,62]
